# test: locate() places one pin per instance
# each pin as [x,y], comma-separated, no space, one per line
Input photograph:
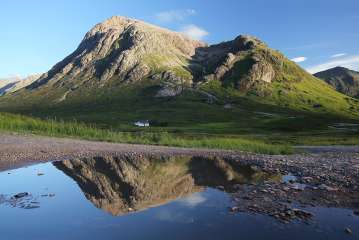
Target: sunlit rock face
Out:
[119,185]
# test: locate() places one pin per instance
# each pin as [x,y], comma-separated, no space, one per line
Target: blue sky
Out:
[318,34]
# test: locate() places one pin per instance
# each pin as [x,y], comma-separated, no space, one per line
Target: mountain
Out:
[125,69]
[342,79]
[10,85]
[123,50]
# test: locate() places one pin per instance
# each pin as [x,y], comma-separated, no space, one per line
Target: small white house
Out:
[141,123]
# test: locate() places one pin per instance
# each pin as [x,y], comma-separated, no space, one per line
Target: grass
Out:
[186,121]
[23,124]
[315,139]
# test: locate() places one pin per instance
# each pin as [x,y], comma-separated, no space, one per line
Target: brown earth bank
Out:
[323,176]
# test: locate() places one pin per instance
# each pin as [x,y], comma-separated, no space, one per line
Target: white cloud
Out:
[194,32]
[174,15]
[299,59]
[351,62]
[338,55]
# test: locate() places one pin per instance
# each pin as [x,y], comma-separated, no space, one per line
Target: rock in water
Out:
[348,230]
[21,195]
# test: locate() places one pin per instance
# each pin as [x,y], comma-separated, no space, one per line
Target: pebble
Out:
[286,189]
[348,230]
[234,209]
[327,188]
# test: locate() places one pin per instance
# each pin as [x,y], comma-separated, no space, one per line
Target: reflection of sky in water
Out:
[172,216]
[193,200]
[203,215]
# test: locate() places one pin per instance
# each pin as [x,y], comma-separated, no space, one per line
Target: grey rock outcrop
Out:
[242,59]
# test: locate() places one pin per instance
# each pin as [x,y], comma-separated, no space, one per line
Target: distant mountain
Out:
[342,79]
[9,85]
[131,62]
[6,82]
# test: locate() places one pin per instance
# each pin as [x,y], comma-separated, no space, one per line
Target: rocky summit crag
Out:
[121,53]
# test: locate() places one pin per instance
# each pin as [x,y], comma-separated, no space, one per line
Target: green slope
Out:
[292,87]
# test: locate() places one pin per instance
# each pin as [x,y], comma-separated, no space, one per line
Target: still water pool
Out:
[103,200]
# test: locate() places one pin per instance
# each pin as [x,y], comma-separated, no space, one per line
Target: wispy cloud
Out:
[351,62]
[299,59]
[194,32]
[338,55]
[174,15]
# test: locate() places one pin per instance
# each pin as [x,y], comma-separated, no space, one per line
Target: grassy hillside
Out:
[22,124]
[292,87]
[190,116]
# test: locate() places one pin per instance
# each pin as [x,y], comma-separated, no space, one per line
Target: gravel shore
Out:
[21,150]
[319,176]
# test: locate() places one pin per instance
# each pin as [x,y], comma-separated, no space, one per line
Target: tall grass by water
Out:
[58,128]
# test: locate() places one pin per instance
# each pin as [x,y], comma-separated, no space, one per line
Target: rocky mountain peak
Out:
[113,23]
[123,48]
[128,50]
[246,42]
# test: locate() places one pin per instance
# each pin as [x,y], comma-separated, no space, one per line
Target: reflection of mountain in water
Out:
[119,185]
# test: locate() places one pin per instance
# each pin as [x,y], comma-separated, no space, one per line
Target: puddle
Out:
[289,178]
[136,198]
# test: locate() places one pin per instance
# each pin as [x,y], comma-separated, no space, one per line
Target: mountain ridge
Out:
[121,54]
[10,85]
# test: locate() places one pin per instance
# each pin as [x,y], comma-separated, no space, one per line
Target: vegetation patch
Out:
[22,124]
